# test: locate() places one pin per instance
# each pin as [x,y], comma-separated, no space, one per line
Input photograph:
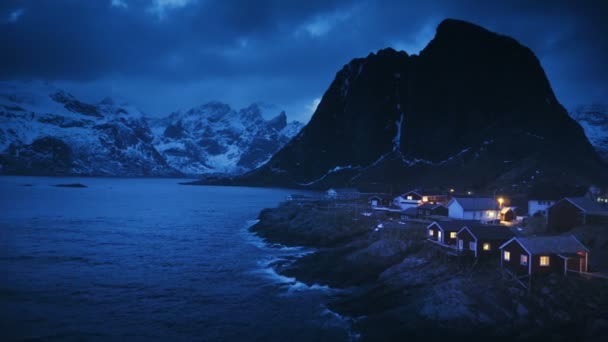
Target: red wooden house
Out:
[570,212]
[444,232]
[543,255]
[482,240]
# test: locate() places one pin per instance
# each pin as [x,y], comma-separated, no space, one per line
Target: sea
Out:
[149,260]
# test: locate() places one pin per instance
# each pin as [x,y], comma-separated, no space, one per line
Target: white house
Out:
[478,209]
[537,206]
[408,200]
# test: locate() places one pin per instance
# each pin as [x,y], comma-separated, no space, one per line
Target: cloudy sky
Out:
[164,55]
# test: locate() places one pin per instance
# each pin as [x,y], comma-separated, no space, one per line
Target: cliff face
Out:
[473,108]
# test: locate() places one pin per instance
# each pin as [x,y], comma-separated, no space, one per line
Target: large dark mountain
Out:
[474,109]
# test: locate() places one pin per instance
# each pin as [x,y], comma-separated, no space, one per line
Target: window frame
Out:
[506,255]
[523,262]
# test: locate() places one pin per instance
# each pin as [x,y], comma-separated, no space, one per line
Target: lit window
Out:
[544,261]
[523,260]
[507,255]
[431,233]
[452,235]
[409,198]
[490,213]
[486,246]
[425,199]
[439,235]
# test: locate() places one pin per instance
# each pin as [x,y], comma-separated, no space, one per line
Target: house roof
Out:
[504,210]
[410,193]
[411,211]
[587,205]
[550,244]
[485,232]
[454,226]
[430,206]
[476,203]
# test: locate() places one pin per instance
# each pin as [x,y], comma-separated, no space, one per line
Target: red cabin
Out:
[543,255]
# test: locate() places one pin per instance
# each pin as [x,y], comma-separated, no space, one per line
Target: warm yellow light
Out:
[425,199]
[490,213]
[486,246]
[544,260]
[501,200]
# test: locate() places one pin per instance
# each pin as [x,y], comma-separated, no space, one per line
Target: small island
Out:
[71,185]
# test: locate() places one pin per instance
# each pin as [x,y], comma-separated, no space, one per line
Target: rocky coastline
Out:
[395,286]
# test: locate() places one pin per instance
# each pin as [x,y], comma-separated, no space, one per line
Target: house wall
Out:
[440,211]
[556,265]
[447,240]
[455,210]
[563,216]
[514,264]
[466,238]
[480,215]
[494,247]
[541,206]
[434,229]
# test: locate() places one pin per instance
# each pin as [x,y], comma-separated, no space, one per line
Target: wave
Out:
[292,284]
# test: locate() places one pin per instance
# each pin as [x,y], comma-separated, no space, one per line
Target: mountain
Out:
[473,109]
[47,131]
[594,120]
[217,138]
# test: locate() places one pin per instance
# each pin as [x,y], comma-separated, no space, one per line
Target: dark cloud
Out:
[273,51]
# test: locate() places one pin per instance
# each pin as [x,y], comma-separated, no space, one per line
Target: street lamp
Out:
[501,201]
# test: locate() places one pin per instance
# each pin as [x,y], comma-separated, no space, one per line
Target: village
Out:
[548,231]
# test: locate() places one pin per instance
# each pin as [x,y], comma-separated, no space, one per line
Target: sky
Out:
[165,55]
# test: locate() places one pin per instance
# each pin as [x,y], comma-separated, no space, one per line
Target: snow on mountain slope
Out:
[594,120]
[47,131]
[217,138]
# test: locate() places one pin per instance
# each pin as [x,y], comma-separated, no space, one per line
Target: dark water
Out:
[147,259]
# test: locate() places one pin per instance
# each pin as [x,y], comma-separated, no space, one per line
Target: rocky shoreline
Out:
[395,286]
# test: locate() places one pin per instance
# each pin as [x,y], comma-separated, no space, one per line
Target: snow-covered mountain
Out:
[594,120]
[217,138]
[47,131]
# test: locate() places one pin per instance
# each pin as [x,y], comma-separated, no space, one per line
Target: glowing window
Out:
[431,233]
[490,213]
[452,235]
[409,198]
[523,260]
[486,246]
[506,255]
[425,199]
[439,235]
[544,260]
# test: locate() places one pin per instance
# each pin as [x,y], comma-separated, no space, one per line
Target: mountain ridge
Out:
[473,108]
[45,130]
